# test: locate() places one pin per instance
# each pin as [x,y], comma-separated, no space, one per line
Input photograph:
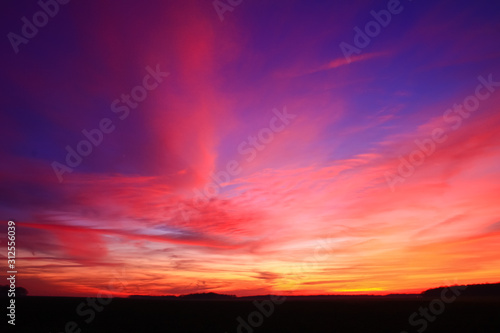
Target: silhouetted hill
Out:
[473,290]
[20,291]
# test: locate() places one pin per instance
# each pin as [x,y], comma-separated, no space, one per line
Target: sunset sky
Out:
[255,157]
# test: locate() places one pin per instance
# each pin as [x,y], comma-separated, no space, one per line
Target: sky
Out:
[250,147]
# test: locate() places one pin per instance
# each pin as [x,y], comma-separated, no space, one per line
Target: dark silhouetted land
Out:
[475,310]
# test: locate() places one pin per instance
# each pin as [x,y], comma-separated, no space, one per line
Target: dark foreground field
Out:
[43,314]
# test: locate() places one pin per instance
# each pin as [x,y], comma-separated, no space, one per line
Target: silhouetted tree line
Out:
[471,290]
[189,296]
[207,296]
[478,290]
[152,297]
